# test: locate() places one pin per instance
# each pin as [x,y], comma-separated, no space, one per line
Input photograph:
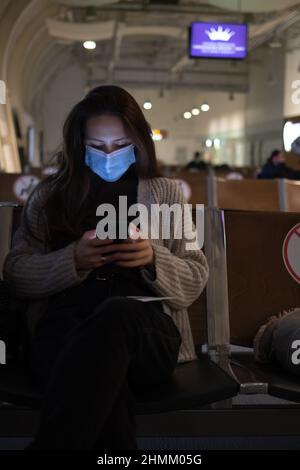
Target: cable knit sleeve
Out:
[180,272]
[31,270]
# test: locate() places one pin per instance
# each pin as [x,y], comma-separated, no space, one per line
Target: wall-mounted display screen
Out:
[218,40]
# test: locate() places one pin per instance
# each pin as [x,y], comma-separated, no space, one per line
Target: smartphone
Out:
[123,227]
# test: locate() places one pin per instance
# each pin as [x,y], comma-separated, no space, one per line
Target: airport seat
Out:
[248,172]
[292,195]
[15,191]
[247,194]
[198,184]
[280,383]
[194,384]
[255,285]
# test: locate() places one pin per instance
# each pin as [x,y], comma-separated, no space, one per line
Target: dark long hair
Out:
[274,153]
[66,192]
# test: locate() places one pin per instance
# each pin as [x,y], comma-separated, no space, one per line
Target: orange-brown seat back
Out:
[259,285]
[7,181]
[197,180]
[292,191]
[256,195]
[8,191]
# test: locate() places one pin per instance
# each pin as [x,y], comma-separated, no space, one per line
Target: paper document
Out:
[147,299]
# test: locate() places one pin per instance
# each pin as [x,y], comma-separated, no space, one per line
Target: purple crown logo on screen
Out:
[220,41]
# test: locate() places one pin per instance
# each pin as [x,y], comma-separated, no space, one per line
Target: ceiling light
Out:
[187,115]
[217,143]
[147,105]
[89,45]
[208,143]
[156,134]
[195,111]
[2,92]
[205,107]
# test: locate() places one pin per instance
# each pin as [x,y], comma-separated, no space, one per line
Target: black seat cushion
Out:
[9,325]
[193,384]
[281,383]
[16,386]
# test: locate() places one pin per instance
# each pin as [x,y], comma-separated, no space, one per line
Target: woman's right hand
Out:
[91,252]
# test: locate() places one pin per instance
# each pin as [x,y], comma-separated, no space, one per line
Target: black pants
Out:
[89,366]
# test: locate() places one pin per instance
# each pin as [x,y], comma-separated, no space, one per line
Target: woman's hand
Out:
[91,252]
[134,253]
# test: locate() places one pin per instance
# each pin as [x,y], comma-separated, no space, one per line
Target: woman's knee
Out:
[114,304]
[116,309]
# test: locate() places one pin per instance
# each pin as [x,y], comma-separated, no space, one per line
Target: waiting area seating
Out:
[199,187]
[248,282]
[292,195]
[247,194]
[15,187]
[197,183]
[194,384]
[251,283]
[219,171]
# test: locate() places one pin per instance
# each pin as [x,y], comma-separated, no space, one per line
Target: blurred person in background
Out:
[197,163]
[275,167]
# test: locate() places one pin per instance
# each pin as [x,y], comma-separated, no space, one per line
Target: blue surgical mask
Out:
[109,166]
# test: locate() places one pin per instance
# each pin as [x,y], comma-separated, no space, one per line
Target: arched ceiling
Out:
[84,3]
[238,5]
[138,42]
[254,6]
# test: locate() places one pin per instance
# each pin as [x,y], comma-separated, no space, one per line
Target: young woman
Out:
[91,345]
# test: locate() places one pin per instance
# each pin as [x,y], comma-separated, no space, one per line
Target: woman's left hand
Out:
[134,253]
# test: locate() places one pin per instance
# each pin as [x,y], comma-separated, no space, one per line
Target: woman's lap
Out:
[156,339]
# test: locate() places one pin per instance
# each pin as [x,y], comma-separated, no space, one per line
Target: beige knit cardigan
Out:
[35,272]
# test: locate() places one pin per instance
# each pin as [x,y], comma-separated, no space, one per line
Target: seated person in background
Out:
[275,167]
[223,167]
[234,175]
[197,163]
